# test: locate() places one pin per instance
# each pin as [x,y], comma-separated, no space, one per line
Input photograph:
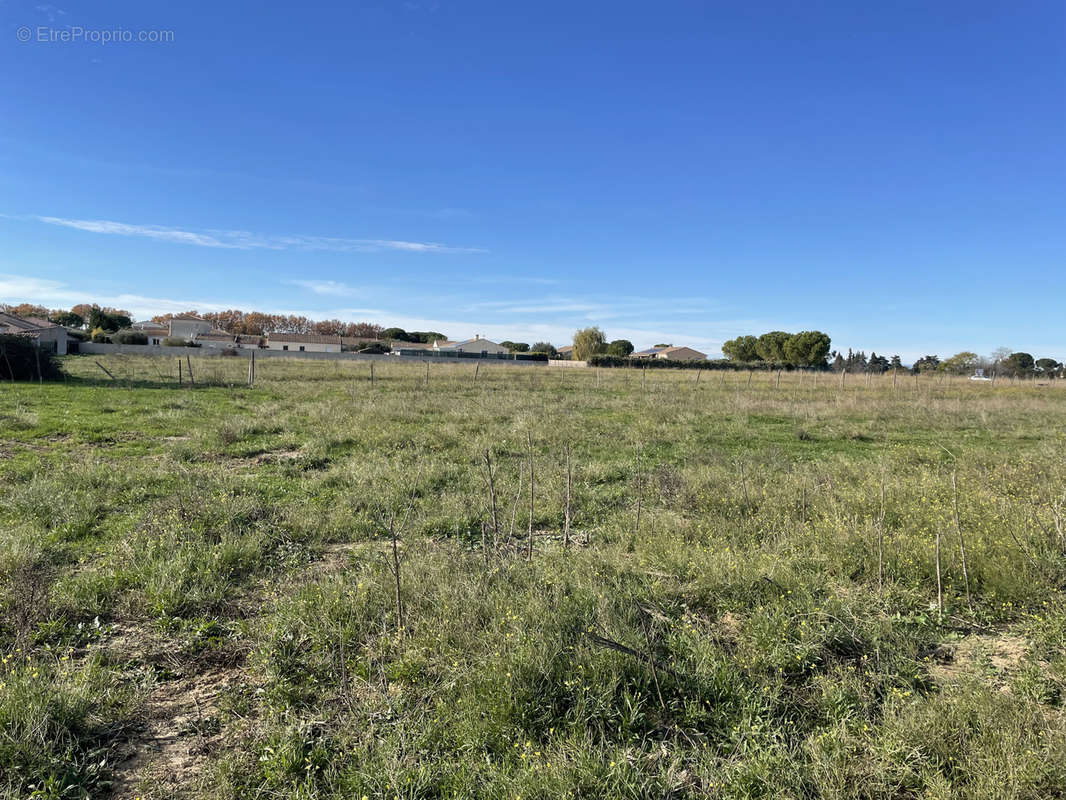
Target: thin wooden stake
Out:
[881,539]
[37,355]
[371,373]
[962,539]
[492,494]
[529,552]
[101,366]
[566,517]
[188,363]
[477,367]
[939,582]
[180,381]
[396,575]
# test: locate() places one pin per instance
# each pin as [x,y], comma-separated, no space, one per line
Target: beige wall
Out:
[187,329]
[305,347]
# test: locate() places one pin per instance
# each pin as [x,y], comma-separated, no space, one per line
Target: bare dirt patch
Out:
[996,655]
[181,727]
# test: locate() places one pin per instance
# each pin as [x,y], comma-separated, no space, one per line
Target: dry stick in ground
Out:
[843,374]
[492,495]
[37,355]
[939,583]
[962,539]
[529,552]
[180,381]
[395,567]
[477,367]
[640,487]
[514,508]
[881,539]
[101,366]
[188,363]
[566,516]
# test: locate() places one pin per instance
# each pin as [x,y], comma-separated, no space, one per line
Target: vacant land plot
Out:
[327,587]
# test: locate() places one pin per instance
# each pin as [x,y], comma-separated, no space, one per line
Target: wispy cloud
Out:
[246,240]
[328,288]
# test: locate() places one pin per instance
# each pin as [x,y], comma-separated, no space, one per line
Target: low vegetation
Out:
[345,584]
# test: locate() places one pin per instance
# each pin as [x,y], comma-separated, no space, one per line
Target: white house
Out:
[476,345]
[44,332]
[303,342]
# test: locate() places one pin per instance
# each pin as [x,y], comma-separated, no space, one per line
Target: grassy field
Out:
[301,590]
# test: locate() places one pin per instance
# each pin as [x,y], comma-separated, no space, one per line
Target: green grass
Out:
[210,566]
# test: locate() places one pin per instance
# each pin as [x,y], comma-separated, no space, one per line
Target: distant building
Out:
[475,345]
[44,332]
[303,342]
[565,352]
[188,327]
[671,354]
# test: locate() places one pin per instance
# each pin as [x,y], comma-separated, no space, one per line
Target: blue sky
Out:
[890,173]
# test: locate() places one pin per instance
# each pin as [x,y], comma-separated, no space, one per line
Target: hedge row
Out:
[714,364]
[20,360]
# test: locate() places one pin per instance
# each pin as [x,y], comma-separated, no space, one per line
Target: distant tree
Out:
[806,349]
[588,342]
[926,364]
[426,337]
[896,363]
[741,349]
[68,319]
[771,346]
[399,334]
[515,347]
[545,347]
[620,347]
[26,310]
[662,345]
[998,356]
[108,321]
[877,364]
[960,363]
[839,363]
[1048,365]
[330,327]
[367,330]
[1019,364]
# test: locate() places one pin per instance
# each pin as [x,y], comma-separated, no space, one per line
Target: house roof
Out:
[652,351]
[466,342]
[216,336]
[303,338]
[359,340]
[245,338]
[566,348]
[398,345]
[680,347]
[9,323]
[187,318]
